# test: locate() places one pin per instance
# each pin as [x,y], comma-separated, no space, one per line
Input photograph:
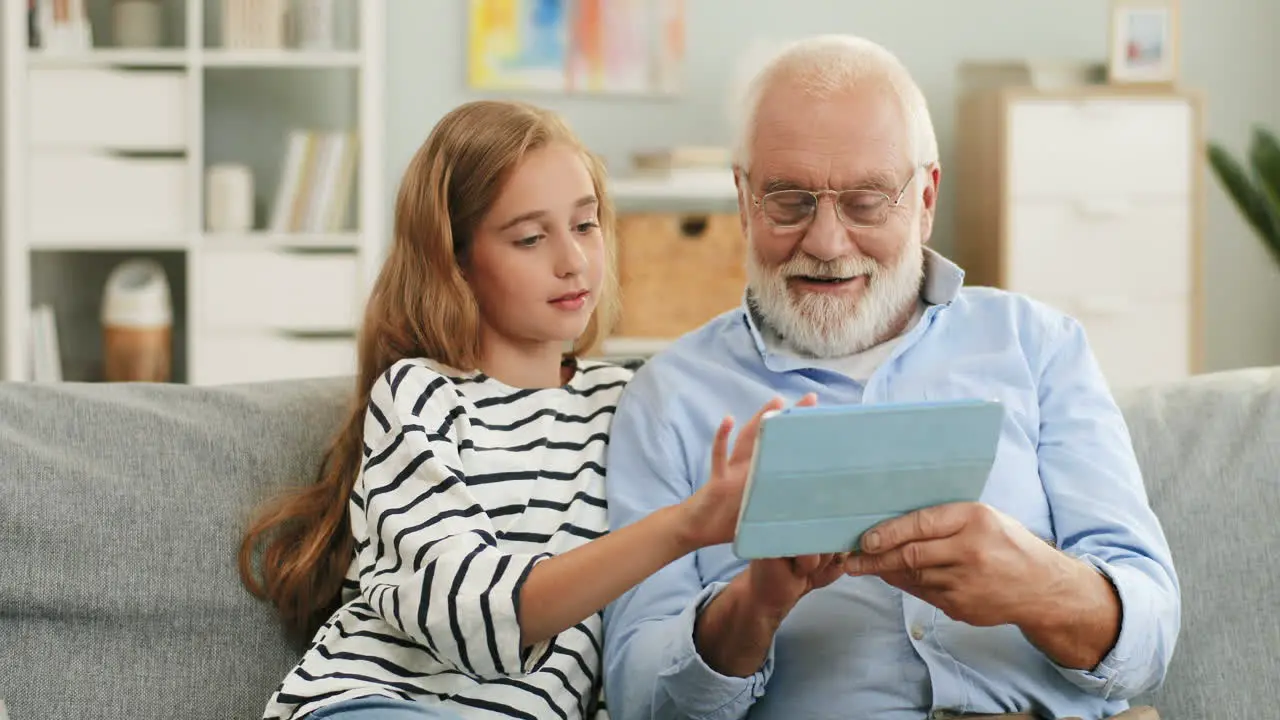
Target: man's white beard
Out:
[830,326]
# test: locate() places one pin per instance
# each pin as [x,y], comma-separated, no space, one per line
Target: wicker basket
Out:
[677,271]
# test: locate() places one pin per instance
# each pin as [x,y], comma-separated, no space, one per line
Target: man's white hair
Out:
[828,65]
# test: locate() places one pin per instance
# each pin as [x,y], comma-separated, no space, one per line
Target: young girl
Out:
[455,545]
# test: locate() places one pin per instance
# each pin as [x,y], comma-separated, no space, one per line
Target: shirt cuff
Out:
[532,658]
[1137,613]
[693,686]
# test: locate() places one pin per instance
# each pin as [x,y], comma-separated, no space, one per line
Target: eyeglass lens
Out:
[863,208]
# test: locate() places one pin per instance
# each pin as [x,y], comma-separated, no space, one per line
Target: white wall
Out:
[1230,53]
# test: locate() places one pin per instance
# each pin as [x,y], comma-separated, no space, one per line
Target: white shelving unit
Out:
[706,190]
[105,155]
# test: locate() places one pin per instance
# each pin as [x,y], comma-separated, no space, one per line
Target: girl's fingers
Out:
[746,443]
[720,448]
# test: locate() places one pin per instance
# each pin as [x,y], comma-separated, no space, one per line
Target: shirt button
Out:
[917,633]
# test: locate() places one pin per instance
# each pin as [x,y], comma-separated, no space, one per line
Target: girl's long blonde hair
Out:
[420,306]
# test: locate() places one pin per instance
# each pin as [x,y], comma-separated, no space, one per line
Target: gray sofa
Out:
[121,508]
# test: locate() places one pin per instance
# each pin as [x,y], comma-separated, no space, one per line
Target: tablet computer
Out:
[822,476]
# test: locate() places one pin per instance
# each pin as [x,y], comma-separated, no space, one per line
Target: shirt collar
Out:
[942,282]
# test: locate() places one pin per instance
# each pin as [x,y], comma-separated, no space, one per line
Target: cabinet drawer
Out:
[1100,147]
[229,358]
[1136,342]
[1057,248]
[279,291]
[105,108]
[677,271]
[105,196]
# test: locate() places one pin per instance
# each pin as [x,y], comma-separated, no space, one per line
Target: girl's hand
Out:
[711,513]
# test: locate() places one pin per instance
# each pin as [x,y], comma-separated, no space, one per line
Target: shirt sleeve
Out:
[652,667]
[1102,516]
[429,561]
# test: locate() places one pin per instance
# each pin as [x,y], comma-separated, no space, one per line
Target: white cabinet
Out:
[130,109]
[272,290]
[1067,248]
[1088,201]
[84,195]
[271,356]
[1073,147]
[268,315]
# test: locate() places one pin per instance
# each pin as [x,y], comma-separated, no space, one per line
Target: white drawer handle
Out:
[1097,110]
[1104,306]
[1103,208]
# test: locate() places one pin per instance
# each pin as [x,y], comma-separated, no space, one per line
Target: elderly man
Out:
[1054,597]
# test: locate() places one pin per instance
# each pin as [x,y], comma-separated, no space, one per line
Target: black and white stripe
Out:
[467,484]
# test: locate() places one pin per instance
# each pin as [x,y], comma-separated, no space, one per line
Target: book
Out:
[59,26]
[253,24]
[46,358]
[317,173]
[681,158]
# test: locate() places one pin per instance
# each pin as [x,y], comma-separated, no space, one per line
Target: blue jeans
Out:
[377,707]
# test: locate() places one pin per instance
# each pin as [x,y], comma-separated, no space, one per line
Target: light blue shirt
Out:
[1065,468]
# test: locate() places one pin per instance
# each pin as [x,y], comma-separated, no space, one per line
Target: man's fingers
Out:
[910,558]
[928,524]
[924,584]
[808,400]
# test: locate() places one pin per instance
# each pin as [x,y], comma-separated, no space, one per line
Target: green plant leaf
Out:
[1241,189]
[1264,156]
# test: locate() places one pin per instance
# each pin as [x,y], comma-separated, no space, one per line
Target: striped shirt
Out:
[467,484]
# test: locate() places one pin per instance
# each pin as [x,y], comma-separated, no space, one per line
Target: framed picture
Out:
[616,47]
[1144,42]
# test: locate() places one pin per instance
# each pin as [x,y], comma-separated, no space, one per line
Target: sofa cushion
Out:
[121,509]
[1210,452]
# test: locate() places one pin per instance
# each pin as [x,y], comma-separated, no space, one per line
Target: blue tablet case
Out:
[822,476]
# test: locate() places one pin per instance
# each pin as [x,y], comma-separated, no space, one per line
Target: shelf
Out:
[623,347]
[106,57]
[129,243]
[214,58]
[281,59]
[174,152]
[708,191]
[263,240]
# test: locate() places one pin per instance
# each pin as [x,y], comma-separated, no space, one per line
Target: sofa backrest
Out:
[121,509]
[1210,453]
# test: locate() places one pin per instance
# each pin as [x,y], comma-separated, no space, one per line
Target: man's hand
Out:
[734,631]
[969,560]
[981,567]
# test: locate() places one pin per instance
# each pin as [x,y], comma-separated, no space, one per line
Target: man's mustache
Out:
[804,265]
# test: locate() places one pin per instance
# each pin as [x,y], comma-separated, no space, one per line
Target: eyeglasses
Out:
[788,209]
